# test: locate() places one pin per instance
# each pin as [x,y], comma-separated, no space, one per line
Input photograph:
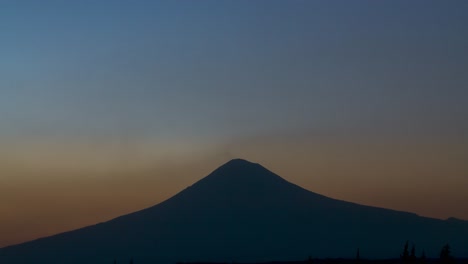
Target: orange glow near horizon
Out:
[40,199]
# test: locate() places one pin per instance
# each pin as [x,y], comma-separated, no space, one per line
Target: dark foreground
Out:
[347,261]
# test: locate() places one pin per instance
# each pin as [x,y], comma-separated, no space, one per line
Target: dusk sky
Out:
[108,107]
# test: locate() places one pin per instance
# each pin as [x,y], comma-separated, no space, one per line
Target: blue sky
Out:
[230,67]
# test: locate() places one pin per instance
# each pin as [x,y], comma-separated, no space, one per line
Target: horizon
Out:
[230,190]
[234,161]
[111,107]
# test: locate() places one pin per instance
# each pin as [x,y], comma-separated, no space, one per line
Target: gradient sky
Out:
[107,107]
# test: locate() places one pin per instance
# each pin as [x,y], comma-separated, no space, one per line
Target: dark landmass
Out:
[340,261]
[244,213]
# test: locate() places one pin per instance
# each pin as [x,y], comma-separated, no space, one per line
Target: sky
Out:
[108,107]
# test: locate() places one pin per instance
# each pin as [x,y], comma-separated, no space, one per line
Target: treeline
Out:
[408,256]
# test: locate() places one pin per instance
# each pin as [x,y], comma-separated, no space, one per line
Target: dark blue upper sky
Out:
[232,67]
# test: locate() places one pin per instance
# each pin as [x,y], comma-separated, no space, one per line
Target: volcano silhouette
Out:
[243,212]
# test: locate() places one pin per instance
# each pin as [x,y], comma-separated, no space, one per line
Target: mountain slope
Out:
[243,212]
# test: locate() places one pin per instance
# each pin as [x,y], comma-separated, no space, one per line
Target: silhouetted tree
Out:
[423,257]
[131,261]
[358,256]
[405,255]
[413,253]
[446,254]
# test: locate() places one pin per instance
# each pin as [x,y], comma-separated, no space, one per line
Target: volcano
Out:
[243,212]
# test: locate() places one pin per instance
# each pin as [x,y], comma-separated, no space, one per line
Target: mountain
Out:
[243,212]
